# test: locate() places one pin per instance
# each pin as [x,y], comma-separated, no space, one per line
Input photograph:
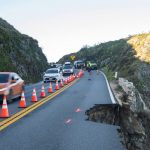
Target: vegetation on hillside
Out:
[130,57]
[20,53]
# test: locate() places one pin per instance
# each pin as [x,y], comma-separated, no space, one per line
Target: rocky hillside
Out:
[20,53]
[130,57]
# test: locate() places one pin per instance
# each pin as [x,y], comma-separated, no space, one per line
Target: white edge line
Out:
[110,92]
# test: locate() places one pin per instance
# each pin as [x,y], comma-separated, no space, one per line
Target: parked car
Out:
[79,64]
[11,85]
[52,74]
[93,66]
[52,65]
[59,66]
[67,70]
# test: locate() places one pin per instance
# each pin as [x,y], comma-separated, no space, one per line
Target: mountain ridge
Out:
[20,53]
[130,57]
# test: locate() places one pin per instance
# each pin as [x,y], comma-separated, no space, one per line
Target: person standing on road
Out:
[89,69]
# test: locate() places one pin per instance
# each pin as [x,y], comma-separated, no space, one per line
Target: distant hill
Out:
[20,53]
[130,57]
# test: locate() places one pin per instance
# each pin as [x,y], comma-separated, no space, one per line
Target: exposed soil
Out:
[134,125]
[134,128]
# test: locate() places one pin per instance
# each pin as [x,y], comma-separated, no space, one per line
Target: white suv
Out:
[67,69]
[52,74]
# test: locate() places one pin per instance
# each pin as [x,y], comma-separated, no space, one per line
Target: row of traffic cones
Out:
[22,103]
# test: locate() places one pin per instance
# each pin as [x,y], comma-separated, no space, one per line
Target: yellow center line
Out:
[22,113]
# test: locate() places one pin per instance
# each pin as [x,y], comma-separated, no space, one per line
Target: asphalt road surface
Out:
[61,124]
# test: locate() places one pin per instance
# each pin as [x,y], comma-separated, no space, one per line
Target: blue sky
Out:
[65,26]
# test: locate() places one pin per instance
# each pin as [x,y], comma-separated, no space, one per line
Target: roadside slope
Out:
[20,53]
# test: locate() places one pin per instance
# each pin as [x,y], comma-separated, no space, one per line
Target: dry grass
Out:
[141,45]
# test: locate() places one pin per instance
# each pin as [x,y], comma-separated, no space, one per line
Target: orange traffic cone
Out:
[80,74]
[4,111]
[42,94]
[71,77]
[50,90]
[65,82]
[68,79]
[61,83]
[22,103]
[57,86]
[34,97]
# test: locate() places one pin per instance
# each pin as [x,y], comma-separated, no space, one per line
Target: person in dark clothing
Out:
[89,69]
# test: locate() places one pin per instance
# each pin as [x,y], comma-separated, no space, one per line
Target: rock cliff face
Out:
[20,53]
[134,117]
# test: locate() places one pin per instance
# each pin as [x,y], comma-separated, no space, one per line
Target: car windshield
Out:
[4,78]
[52,71]
[94,64]
[67,67]
[79,62]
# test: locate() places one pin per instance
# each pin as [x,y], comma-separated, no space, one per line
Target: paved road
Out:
[14,105]
[57,126]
